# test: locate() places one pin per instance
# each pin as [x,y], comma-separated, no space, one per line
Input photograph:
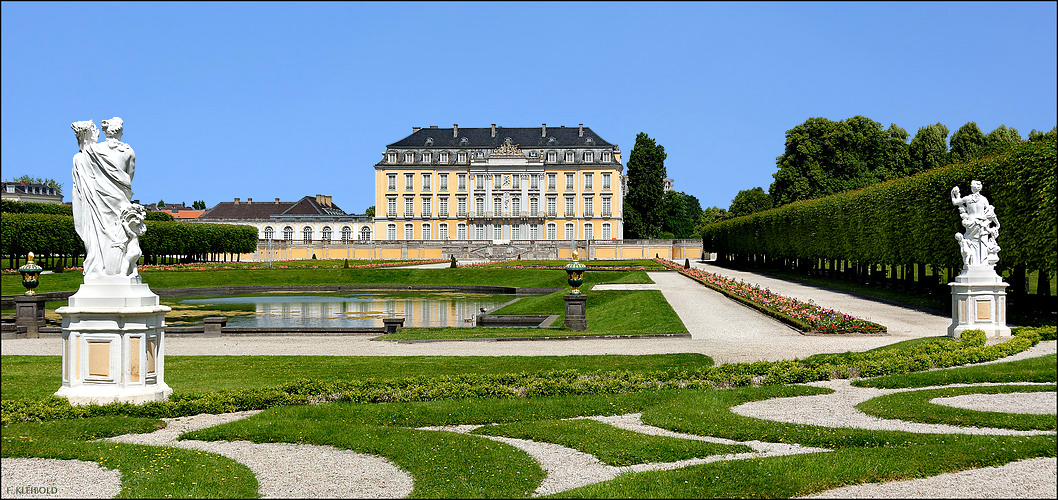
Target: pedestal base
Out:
[979,302]
[576,312]
[29,314]
[113,333]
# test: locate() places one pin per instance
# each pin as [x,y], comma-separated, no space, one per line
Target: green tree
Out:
[708,216]
[198,205]
[1036,135]
[370,212]
[646,172]
[1002,136]
[57,186]
[677,219]
[161,203]
[929,148]
[750,201]
[824,157]
[967,142]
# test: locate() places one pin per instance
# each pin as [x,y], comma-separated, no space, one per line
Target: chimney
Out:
[433,126]
[249,201]
[581,133]
[543,130]
[455,130]
[277,201]
[319,199]
[415,129]
[236,201]
[494,130]
[329,204]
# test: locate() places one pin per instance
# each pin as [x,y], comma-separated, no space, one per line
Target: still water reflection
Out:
[420,310]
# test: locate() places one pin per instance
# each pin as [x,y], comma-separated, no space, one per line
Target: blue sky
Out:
[266,100]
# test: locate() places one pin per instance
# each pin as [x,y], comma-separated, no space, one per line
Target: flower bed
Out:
[803,315]
[200,266]
[503,264]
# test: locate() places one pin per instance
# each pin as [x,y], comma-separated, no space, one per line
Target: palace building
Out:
[499,184]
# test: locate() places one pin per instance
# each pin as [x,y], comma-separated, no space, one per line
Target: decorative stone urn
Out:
[575,272]
[30,275]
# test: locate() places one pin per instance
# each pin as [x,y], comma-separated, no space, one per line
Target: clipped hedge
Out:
[911,220]
[25,207]
[54,235]
[936,353]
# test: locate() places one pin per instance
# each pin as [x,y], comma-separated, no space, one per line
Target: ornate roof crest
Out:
[508,150]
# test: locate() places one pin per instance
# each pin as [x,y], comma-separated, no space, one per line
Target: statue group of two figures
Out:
[104,215]
[113,328]
[978,293]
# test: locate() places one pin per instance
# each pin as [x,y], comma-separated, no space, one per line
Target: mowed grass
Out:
[39,376]
[1039,369]
[916,407]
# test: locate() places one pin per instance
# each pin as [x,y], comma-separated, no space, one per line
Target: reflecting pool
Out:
[420,310]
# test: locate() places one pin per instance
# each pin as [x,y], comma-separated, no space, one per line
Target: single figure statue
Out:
[978,243]
[102,193]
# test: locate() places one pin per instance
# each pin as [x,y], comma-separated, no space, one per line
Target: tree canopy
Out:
[749,201]
[681,213]
[644,202]
[929,148]
[967,142]
[198,205]
[57,186]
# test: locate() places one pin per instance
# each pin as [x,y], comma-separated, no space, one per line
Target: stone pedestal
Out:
[113,350]
[978,302]
[29,315]
[213,325]
[576,312]
[393,325]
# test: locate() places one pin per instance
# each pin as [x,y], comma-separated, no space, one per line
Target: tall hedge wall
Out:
[912,220]
[54,235]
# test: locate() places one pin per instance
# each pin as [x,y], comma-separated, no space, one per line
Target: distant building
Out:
[31,193]
[308,220]
[499,184]
[178,211]
[668,184]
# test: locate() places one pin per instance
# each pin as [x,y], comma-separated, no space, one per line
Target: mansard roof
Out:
[523,137]
[307,206]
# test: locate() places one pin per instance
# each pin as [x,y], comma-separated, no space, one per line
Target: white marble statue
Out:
[103,213]
[978,243]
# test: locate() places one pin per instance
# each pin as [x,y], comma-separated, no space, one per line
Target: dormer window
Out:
[391,157]
[427,157]
[569,156]
[552,156]
[589,141]
[463,141]
[462,157]
[409,157]
[589,156]
[606,157]
[429,141]
[442,157]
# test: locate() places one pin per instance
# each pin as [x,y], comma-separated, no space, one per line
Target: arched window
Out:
[306,234]
[326,233]
[569,230]
[551,230]
[442,231]
[365,233]
[606,230]
[391,232]
[461,231]
[409,230]
[589,231]
[269,233]
[288,233]
[347,233]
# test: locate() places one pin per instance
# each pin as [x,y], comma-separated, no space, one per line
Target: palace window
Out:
[409,182]
[569,206]
[391,181]
[534,206]
[288,233]
[461,207]
[479,231]
[534,181]
[606,206]
[326,233]
[365,234]
[569,156]
[409,206]
[306,234]
[462,157]
[426,202]
[606,157]
[461,231]
[426,231]
[496,181]
[606,231]
[534,231]
[347,233]
[551,230]
[552,157]
[426,178]
[497,206]
[589,232]
[442,206]
[551,182]
[606,180]
[443,181]
[569,182]
[442,231]
[391,232]
[516,206]
[427,157]
[589,157]
[391,206]
[516,231]
[552,209]
[479,205]
[391,157]
[517,181]
[461,182]
[589,206]
[569,230]
[442,157]
[409,157]
[409,231]
[588,181]
[268,232]
[479,181]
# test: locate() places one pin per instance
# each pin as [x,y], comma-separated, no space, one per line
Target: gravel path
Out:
[50,478]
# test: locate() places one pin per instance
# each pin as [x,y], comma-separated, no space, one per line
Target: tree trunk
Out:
[1043,284]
